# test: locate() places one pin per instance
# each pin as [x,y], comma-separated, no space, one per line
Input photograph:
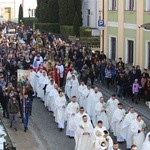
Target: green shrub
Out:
[85,32]
[29,21]
[66,30]
[48,27]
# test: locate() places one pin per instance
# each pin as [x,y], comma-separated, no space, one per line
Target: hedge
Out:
[66,30]
[29,21]
[85,32]
[48,27]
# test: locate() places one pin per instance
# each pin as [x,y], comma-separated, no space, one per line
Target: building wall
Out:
[14,8]
[94,7]
[126,25]
[32,4]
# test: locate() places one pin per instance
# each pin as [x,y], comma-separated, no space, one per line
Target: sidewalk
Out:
[22,140]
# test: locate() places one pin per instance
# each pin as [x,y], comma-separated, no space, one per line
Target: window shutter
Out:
[126,51]
[127,4]
[147,5]
[113,4]
[110,50]
[146,56]
[110,4]
[133,4]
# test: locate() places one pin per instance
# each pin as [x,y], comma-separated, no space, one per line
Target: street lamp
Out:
[29,11]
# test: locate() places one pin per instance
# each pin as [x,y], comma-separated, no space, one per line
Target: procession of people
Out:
[64,81]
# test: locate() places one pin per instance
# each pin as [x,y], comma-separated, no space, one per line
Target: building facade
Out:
[9,9]
[90,13]
[124,35]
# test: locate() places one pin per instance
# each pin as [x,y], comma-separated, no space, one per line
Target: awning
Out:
[146,26]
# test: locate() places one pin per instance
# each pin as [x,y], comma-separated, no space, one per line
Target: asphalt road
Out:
[45,129]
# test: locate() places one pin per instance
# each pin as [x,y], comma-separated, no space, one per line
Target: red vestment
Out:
[56,76]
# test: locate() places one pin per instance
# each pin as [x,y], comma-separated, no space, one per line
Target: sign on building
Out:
[95,32]
[101,24]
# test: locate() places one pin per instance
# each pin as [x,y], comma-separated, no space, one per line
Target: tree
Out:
[63,12]
[53,11]
[78,8]
[66,12]
[47,11]
[20,15]
[76,25]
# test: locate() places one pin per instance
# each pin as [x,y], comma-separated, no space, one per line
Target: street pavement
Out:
[43,133]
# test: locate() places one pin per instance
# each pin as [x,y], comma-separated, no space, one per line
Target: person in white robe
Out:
[53,94]
[43,81]
[116,122]
[83,135]
[109,140]
[115,146]
[111,106]
[79,115]
[81,87]
[60,107]
[38,75]
[137,128]
[49,87]
[99,127]
[146,144]
[125,133]
[98,140]
[92,100]
[38,60]
[85,94]
[100,113]
[67,85]
[71,110]
[33,80]
[73,87]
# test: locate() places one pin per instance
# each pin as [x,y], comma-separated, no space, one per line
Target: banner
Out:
[23,76]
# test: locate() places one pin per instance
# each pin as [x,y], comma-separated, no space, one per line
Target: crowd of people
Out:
[64,81]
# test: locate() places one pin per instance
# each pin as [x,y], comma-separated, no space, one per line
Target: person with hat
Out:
[116,122]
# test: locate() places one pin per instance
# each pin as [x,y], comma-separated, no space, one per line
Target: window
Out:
[112,4]
[113,48]
[147,5]
[88,17]
[130,5]
[88,11]
[32,12]
[130,51]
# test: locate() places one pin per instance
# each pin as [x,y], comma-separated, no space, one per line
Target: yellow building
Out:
[125,34]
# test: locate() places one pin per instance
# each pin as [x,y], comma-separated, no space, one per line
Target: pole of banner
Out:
[103,30]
